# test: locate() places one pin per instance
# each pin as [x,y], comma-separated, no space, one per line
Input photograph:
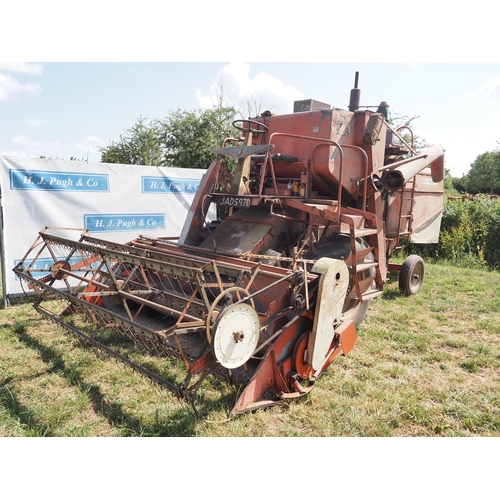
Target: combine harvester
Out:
[268,297]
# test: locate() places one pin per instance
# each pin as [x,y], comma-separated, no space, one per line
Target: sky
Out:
[92,79]
[64,110]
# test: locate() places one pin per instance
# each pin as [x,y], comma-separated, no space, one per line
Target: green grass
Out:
[424,365]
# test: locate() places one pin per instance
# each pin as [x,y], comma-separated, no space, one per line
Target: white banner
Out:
[113,202]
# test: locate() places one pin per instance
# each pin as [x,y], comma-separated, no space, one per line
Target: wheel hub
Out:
[235,335]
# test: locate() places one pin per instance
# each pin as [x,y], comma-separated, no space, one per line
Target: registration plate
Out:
[234,201]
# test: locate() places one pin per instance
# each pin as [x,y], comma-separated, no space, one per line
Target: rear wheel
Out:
[411,275]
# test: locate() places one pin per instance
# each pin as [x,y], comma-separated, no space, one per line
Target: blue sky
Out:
[67,109]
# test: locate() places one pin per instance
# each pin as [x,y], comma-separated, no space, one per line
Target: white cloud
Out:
[34,122]
[488,86]
[491,84]
[86,148]
[33,148]
[263,92]
[22,67]
[10,86]
[88,145]
[15,152]
[47,145]
[20,139]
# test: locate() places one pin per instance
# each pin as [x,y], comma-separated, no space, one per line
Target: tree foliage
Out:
[484,174]
[184,139]
[189,138]
[469,234]
[404,123]
[139,145]
[448,181]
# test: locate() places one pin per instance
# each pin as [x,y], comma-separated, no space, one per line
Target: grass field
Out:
[425,365]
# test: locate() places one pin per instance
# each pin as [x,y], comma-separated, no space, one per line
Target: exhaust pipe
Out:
[355,95]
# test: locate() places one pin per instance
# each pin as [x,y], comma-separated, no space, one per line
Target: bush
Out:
[470,234]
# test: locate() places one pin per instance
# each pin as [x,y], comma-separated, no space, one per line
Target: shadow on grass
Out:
[391,292]
[180,423]
[29,424]
[213,395]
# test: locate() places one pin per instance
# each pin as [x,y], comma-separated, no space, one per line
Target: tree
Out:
[399,121]
[448,180]
[459,183]
[139,145]
[183,139]
[189,138]
[484,173]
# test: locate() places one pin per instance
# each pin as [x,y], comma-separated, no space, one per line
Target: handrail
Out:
[323,142]
[413,152]
[341,165]
[409,130]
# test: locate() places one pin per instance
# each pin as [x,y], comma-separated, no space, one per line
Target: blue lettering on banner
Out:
[126,222]
[166,185]
[58,181]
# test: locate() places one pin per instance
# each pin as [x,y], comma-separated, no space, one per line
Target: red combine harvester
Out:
[268,297]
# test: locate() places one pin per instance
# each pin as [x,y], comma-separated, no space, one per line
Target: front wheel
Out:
[411,275]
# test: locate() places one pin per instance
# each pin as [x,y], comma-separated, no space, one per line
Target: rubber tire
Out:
[357,313]
[411,275]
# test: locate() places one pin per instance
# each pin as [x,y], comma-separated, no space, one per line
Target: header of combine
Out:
[316,201]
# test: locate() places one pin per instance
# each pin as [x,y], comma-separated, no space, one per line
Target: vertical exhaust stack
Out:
[355,95]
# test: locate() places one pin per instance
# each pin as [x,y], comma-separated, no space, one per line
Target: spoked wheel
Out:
[411,275]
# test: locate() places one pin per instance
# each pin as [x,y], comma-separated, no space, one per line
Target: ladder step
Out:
[371,295]
[356,221]
[367,231]
[360,255]
[364,285]
[364,266]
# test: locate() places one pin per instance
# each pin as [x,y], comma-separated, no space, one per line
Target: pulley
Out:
[235,335]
